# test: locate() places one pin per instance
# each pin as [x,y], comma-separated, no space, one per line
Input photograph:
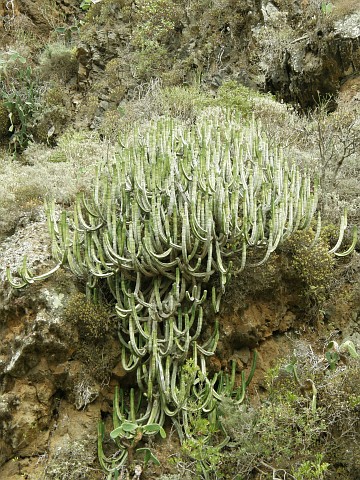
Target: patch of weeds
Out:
[150,61]
[85,391]
[311,470]
[4,122]
[207,459]
[54,113]
[19,95]
[155,20]
[154,23]
[88,109]
[96,331]
[312,263]
[182,102]
[28,197]
[99,359]
[73,461]
[235,96]
[272,433]
[93,321]
[58,62]
[113,77]
[20,201]
[307,426]
[57,157]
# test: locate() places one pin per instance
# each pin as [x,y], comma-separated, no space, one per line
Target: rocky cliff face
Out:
[55,382]
[52,389]
[317,62]
[299,51]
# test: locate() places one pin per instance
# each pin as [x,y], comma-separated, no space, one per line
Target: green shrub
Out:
[92,321]
[150,61]
[313,263]
[308,470]
[53,115]
[287,433]
[18,93]
[58,62]
[4,122]
[184,103]
[155,20]
[235,96]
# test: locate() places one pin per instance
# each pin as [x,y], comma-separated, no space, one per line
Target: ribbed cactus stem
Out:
[343,225]
[167,216]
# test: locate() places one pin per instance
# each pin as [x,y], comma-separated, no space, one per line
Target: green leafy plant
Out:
[308,384]
[236,96]
[86,4]
[154,21]
[18,92]
[335,353]
[127,434]
[326,7]
[312,470]
[284,436]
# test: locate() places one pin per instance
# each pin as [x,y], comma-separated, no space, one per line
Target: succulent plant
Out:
[166,219]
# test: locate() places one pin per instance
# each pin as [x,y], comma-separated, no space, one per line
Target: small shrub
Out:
[182,102]
[54,113]
[287,432]
[18,93]
[92,320]
[312,263]
[29,196]
[72,462]
[23,201]
[4,122]
[235,96]
[111,123]
[155,20]
[308,470]
[336,136]
[150,61]
[88,109]
[114,79]
[58,62]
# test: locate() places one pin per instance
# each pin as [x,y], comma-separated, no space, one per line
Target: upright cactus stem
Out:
[167,216]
